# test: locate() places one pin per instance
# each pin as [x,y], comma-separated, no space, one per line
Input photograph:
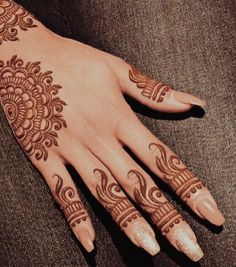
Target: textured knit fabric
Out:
[189,44]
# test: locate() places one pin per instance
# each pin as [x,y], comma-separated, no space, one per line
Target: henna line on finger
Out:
[152,89]
[175,174]
[73,209]
[117,204]
[30,102]
[12,17]
[162,212]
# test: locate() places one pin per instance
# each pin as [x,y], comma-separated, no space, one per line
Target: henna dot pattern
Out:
[30,102]
[12,17]
[152,89]
[175,174]
[111,196]
[162,212]
[73,208]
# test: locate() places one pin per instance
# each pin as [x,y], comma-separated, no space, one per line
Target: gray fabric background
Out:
[188,44]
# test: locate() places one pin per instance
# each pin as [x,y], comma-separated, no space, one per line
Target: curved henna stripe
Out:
[28,97]
[12,17]
[175,174]
[115,202]
[152,89]
[73,209]
[162,212]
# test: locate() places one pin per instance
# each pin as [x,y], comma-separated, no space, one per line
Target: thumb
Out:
[153,93]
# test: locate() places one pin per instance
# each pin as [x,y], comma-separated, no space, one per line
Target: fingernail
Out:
[85,239]
[210,211]
[188,99]
[187,243]
[183,238]
[145,240]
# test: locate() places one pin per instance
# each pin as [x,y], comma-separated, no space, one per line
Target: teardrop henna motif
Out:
[28,97]
[73,209]
[12,17]
[162,213]
[155,90]
[175,174]
[121,209]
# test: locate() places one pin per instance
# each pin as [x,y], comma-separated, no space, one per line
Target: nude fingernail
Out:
[145,240]
[189,247]
[210,211]
[85,239]
[184,239]
[188,99]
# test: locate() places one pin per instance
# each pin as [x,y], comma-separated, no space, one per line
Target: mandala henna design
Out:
[162,213]
[152,89]
[73,209]
[13,16]
[175,174]
[28,97]
[117,204]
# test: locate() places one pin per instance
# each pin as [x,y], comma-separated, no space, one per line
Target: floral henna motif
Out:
[111,196]
[73,209]
[175,174]
[28,97]
[13,16]
[152,89]
[162,212]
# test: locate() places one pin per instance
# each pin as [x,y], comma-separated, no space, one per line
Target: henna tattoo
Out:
[175,174]
[115,202]
[73,209]
[12,17]
[152,89]
[162,212]
[28,97]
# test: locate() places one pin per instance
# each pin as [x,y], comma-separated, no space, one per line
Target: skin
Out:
[64,102]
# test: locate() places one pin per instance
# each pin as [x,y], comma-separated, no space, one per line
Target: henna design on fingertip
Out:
[152,89]
[73,209]
[32,107]
[12,17]
[115,202]
[175,174]
[162,212]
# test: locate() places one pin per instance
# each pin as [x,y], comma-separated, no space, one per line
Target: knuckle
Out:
[126,122]
[133,178]
[99,67]
[151,160]
[97,177]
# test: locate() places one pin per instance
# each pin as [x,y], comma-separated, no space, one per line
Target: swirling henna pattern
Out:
[175,174]
[162,213]
[73,209]
[28,97]
[117,204]
[152,89]
[13,16]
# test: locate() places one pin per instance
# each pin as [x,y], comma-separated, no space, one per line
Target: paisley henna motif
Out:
[12,17]
[152,89]
[73,209]
[111,196]
[175,174]
[162,212]
[28,97]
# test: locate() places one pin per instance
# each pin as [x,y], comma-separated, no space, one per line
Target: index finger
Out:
[164,163]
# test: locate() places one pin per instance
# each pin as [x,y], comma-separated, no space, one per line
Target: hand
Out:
[64,101]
